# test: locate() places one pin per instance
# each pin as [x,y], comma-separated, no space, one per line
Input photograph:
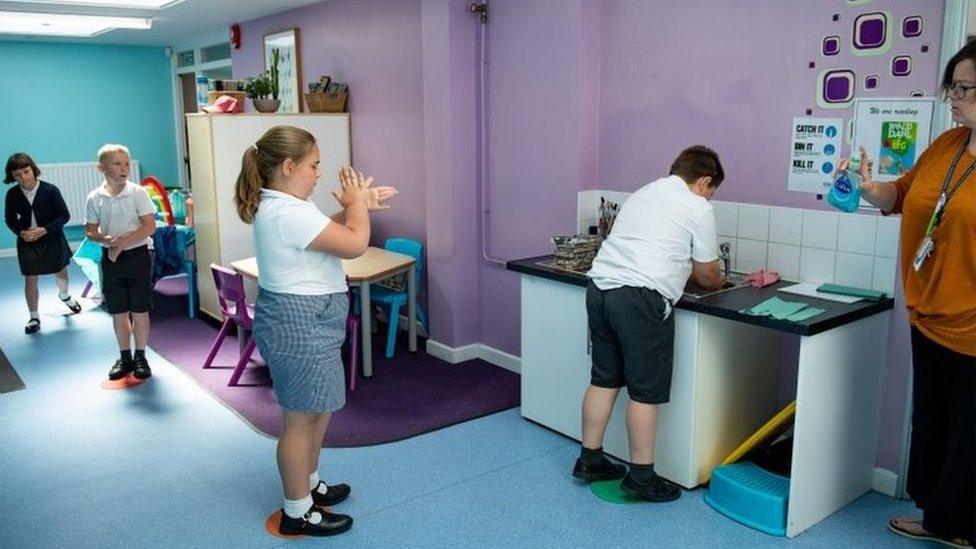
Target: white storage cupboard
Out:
[216,146]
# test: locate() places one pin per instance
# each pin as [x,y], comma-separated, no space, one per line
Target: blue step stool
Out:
[753,496]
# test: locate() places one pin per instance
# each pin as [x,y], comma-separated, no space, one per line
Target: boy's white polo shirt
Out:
[283,228]
[119,214]
[660,229]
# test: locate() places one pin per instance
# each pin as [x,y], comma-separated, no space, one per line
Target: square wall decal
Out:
[901,65]
[831,45]
[836,88]
[911,26]
[871,82]
[871,35]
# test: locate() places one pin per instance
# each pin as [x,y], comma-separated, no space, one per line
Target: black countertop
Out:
[728,304]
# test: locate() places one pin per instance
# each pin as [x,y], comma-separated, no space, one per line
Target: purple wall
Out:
[375,47]
[582,94]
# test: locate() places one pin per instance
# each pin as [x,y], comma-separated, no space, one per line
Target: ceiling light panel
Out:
[54,24]
[133,4]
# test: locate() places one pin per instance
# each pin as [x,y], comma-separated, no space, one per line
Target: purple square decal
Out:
[831,45]
[901,65]
[809,112]
[917,93]
[925,48]
[911,26]
[871,82]
[838,86]
[835,17]
[870,31]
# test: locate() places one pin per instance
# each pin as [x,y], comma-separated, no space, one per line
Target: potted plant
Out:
[263,85]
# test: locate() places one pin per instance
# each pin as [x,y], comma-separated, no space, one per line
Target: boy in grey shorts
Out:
[119,215]
[664,233]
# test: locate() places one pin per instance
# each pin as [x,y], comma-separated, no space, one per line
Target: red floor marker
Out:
[126,382]
[272,524]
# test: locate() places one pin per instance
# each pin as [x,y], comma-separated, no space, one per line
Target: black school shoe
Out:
[76,308]
[657,489]
[120,369]
[141,368]
[330,525]
[605,470]
[33,325]
[335,494]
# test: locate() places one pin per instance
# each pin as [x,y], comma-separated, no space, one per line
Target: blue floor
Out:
[165,465]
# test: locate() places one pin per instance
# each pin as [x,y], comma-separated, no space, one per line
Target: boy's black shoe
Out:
[120,369]
[604,470]
[657,489]
[330,525]
[335,494]
[33,325]
[141,368]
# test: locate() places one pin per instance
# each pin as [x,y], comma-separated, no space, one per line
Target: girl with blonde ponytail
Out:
[300,315]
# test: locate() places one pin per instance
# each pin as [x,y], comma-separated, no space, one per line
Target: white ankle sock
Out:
[33,314]
[314,483]
[296,508]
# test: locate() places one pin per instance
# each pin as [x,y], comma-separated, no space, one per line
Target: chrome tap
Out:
[725,254]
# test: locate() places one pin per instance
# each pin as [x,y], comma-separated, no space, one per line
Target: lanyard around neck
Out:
[946,193]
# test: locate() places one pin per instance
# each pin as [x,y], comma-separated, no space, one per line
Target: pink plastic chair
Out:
[230,292]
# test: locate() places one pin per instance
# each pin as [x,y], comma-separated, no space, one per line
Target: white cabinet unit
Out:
[217,143]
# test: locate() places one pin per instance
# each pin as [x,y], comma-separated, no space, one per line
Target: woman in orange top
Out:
[937,200]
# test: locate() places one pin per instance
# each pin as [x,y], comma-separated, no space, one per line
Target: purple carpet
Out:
[410,394]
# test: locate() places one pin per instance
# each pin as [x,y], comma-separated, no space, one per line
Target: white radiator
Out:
[75,180]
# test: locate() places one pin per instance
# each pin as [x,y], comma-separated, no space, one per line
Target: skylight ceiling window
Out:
[134,4]
[55,24]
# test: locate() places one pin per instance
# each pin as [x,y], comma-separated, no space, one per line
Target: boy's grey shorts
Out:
[300,337]
[633,341]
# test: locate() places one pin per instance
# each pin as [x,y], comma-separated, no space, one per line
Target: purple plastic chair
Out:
[230,292]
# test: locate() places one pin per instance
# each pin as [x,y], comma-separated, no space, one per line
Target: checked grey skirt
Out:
[300,337]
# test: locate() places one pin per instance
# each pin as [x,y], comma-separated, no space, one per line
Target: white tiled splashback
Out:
[808,245]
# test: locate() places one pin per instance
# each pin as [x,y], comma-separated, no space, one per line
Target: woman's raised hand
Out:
[864,169]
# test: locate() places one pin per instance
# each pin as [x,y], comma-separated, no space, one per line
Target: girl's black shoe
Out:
[334,494]
[329,525]
[33,325]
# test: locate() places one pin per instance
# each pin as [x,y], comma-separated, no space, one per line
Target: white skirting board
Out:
[884,482]
[491,355]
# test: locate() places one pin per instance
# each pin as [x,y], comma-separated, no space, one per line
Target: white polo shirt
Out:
[283,228]
[119,214]
[660,229]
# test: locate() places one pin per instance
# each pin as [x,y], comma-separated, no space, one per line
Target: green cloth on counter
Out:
[804,314]
[851,291]
[792,311]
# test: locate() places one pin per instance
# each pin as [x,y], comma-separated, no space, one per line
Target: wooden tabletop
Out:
[375,264]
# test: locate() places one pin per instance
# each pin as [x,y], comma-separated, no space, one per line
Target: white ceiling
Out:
[172,25]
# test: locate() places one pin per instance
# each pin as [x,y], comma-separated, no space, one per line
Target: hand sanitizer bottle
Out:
[845,193]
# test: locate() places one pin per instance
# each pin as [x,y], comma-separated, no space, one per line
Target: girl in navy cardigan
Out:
[36,213]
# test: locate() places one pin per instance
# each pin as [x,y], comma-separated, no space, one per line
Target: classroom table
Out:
[375,265]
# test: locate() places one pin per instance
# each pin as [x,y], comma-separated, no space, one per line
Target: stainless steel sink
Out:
[735,280]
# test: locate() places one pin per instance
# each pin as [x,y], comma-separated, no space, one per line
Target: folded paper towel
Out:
[791,311]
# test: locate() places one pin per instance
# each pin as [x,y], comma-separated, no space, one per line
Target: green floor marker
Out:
[609,491]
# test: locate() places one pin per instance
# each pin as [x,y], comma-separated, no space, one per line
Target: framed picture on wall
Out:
[289,65]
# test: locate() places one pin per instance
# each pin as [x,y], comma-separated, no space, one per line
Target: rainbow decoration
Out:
[157,193]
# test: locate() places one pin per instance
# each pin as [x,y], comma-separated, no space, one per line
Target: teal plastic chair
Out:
[391,300]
